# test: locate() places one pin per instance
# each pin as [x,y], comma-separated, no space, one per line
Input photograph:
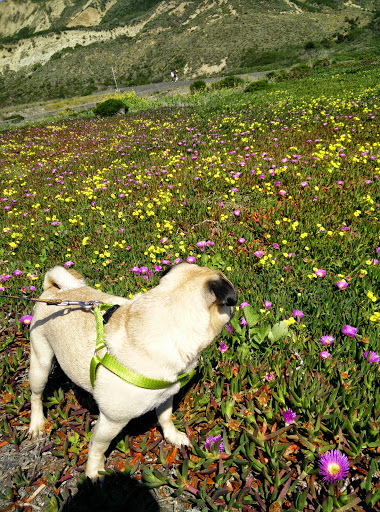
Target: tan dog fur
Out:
[159,334]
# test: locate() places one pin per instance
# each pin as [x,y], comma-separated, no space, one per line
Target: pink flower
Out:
[297,313]
[324,354]
[68,264]
[223,347]
[289,416]
[320,272]
[191,259]
[26,320]
[350,331]
[212,441]
[243,304]
[333,466]
[372,357]
[259,254]
[342,285]
[241,240]
[267,304]
[326,340]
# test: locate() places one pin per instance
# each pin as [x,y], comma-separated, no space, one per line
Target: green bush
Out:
[109,108]
[14,117]
[228,83]
[198,86]
[299,71]
[257,86]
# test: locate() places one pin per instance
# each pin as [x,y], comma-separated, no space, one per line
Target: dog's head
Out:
[202,289]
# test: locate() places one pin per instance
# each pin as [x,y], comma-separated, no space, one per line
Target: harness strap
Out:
[109,362]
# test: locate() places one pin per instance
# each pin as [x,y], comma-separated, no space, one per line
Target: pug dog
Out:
[159,334]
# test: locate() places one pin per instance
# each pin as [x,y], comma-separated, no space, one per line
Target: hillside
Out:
[56,48]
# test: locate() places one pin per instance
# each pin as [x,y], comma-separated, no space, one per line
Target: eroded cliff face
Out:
[193,22]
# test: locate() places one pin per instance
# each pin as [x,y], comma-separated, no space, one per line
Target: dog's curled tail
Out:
[63,279]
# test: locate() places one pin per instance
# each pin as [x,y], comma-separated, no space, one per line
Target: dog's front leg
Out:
[171,434]
[105,430]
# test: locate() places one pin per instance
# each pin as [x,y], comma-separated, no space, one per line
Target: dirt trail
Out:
[29,113]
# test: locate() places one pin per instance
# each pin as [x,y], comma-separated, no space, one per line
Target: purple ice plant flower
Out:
[211,442]
[333,466]
[320,272]
[371,357]
[241,240]
[259,254]
[326,340]
[191,259]
[267,304]
[297,313]
[68,264]
[289,416]
[26,320]
[324,354]
[342,285]
[243,304]
[350,331]
[223,347]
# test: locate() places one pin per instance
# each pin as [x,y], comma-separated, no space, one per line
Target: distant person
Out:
[176,74]
[172,75]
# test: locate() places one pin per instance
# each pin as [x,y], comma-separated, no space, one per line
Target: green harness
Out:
[118,369]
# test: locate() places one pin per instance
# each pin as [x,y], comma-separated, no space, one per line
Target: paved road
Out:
[140,90]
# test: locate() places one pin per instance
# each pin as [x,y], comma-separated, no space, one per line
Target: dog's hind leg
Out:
[105,430]
[40,365]
[171,434]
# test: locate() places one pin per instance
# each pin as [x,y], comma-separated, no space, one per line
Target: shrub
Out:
[299,71]
[228,83]
[321,63]
[257,86]
[109,107]
[14,117]
[198,86]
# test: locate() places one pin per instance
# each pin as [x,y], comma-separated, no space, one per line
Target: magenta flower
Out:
[320,272]
[17,273]
[297,313]
[237,213]
[333,466]
[243,304]
[241,240]
[229,328]
[223,347]
[324,354]
[326,340]
[267,304]
[191,259]
[289,416]
[276,246]
[243,321]
[68,264]
[211,442]
[350,331]
[371,357]
[269,376]
[259,254]
[26,320]
[342,285]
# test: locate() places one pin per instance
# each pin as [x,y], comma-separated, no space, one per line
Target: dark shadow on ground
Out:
[114,493]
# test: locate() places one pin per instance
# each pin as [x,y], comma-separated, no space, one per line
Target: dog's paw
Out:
[36,429]
[178,439]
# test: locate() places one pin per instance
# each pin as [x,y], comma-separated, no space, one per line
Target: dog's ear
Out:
[166,271]
[223,291]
